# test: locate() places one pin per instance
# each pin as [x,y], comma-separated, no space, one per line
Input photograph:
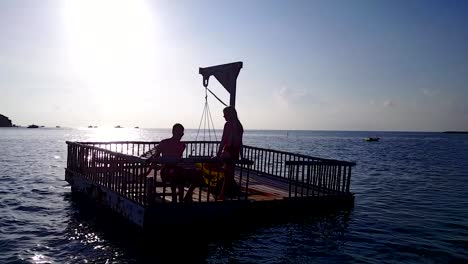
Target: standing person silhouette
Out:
[230,149]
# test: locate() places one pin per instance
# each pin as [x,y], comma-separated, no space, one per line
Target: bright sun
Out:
[111,45]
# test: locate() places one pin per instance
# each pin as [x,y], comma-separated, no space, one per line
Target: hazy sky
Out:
[318,65]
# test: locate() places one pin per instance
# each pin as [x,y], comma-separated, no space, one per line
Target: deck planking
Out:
[261,187]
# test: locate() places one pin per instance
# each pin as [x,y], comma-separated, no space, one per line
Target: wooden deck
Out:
[261,187]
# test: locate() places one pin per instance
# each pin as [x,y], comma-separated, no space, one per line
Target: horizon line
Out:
[262,129]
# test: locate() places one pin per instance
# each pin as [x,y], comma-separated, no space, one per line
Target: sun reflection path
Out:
[40,259]
[112,134]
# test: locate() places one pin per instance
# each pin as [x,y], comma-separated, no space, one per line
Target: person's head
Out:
[177,131]
[230,113]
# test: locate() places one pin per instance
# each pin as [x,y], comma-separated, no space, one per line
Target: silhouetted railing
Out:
[145,148]
[316,178]
[273,162]
[135,177]
[117,171]
[306,175]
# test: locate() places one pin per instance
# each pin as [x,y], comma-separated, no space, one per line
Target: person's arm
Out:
[220,150]
[158,150]
[223,139]
[183,149]
[153,157]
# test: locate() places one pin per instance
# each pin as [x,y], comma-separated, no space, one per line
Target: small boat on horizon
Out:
[33,126]
[118,127]
[371,139]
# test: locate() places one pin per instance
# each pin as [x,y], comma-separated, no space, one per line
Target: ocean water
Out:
[411,203]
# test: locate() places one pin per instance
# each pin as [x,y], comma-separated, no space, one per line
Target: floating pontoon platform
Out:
[118,176]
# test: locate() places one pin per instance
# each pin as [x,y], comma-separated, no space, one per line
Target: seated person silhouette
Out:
[176,175]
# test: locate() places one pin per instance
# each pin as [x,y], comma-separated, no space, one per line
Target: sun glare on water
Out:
[112,134]
[111,45]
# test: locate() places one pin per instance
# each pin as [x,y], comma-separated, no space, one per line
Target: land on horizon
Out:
[256,129]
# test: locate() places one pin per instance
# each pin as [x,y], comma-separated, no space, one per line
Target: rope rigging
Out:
[212,173]
[206,88]
[207,120]
[226,74]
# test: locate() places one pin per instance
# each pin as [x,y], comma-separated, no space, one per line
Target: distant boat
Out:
[118,127]
[57,126]
[33,126]
[137,127]
[371,139]
[90,126]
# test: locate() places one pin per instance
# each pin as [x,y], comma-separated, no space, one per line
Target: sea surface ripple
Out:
[411,202]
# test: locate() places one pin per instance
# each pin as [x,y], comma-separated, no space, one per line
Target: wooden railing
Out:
[144,148]
[117,171]
[317,178]
[306,175]
[130,176]
[273,162]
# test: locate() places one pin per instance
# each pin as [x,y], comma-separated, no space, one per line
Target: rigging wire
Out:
[203,114]
[212,123]
[207,120]
[215,96]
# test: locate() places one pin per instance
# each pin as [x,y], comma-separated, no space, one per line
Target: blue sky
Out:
[318,65]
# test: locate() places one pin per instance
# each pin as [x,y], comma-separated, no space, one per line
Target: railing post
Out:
[348,183]
[290,176]
[151,186]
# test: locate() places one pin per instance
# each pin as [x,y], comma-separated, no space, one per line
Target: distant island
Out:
[5,121]
[455,132]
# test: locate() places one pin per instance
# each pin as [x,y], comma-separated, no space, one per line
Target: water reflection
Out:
[101,237]
[112,134]
[301,239]
[40,259]
[410,204]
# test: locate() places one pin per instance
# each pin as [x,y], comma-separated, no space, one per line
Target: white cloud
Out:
[429,92]
[281,96]
[288,96]
[386,103]
[389,103]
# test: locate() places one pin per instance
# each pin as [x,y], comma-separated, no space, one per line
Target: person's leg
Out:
[167,177]
[181,193]
[228,180]
[179,180]
[188,196]
[194,178]
[174,193]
